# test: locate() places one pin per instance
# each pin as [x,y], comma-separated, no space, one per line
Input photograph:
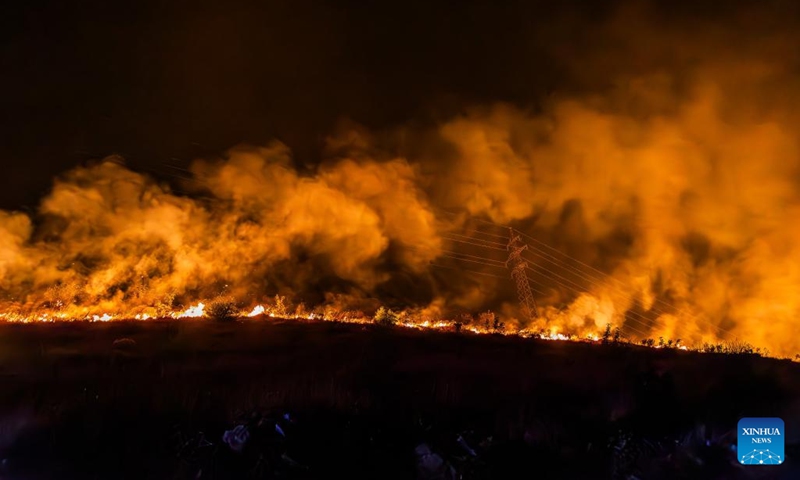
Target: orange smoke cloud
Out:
[113,239]
[691,212]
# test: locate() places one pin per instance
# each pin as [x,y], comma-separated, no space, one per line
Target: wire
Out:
[444,252]
[632,327]
[627,297]
[592,281]
[473,261]
[493,224]
[628,326]
[504,237]
[566,283]
[479,238]
[503,245]
[467,270]
[472,243]
[605,276]
[630,314]
[482,273]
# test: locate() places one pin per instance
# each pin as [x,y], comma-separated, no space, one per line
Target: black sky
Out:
[167,81]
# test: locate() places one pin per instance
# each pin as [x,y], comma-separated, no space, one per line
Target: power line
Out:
[459,253]
[598,284]
[566,283]
[485,261]
[605,276]
[629,315]
[504,237]
[467,270]
[473,243]
[461,269]
[487,222]
[478,238]
[590,280]
[632,327]
[581,274]
[571,286]
[473,261]
[488,242]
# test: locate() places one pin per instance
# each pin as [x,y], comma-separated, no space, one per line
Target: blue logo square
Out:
[760,441]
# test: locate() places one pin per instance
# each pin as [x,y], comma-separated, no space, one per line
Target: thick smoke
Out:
[668,181]
[680,179]
[112,239]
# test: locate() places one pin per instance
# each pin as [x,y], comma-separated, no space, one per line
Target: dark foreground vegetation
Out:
[329,400]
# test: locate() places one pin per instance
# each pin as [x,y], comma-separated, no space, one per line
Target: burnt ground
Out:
[362,399]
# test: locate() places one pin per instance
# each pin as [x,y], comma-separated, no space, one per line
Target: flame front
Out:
[195,311]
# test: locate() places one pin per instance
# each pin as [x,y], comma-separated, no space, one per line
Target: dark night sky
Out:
[152,80]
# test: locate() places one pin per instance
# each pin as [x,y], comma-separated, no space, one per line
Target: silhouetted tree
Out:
[606,333]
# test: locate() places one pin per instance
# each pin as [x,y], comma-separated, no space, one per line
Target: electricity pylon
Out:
[518,264]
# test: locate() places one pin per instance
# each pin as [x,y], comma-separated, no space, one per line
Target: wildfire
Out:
[102,318]
[660,260]
[192,312]
[405,319]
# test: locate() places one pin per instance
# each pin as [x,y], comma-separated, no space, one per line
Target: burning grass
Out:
[226,310]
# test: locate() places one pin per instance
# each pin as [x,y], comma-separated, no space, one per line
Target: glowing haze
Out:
[678,180]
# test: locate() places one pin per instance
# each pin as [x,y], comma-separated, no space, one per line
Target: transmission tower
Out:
[518,264]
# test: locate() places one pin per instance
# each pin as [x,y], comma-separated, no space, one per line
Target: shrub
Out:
[488,320]
[165,305]
[606,333]
[331,313]
[222,310]
[734,347]
[385,316]
[497,325]
[617,335]
[739,347]
[711,348]
[281,307]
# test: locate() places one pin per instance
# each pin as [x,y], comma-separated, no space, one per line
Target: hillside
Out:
[363,397]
